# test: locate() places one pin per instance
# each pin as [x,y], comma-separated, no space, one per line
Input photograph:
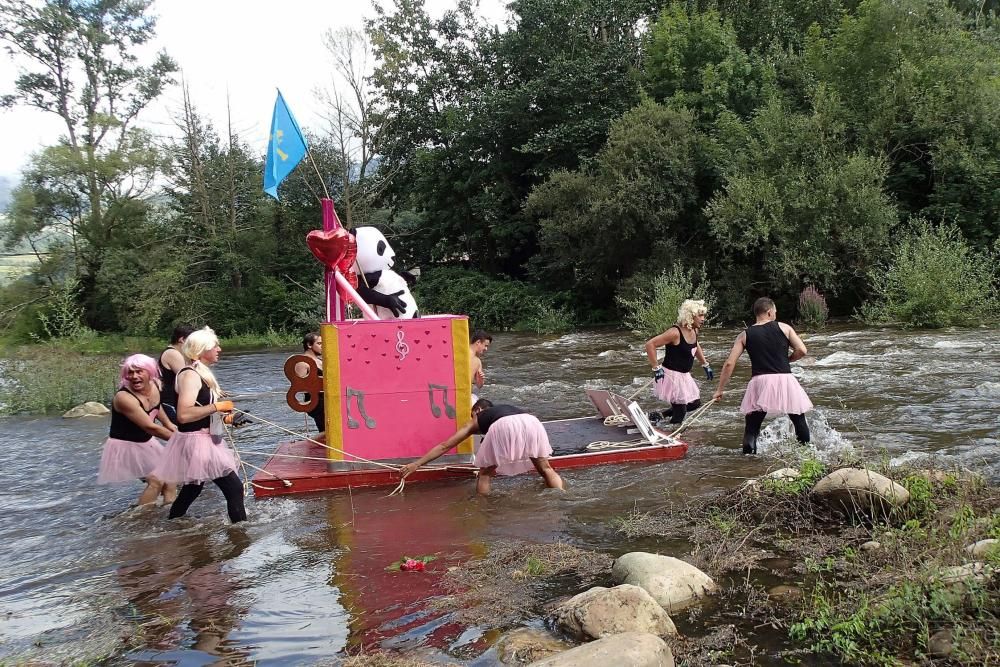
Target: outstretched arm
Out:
[727,368]
[471,427]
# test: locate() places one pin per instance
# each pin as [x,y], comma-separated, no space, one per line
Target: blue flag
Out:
[285,148]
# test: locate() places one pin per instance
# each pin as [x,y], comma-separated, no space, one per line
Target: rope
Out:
[316,442]
[247,482]
[616,420]
[607,444]
[639,390]
[695,416]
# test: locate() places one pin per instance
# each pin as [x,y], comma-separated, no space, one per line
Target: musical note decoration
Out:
[435,409]
[401,347]
[359,397]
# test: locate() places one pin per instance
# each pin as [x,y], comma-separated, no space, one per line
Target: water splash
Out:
[827,444]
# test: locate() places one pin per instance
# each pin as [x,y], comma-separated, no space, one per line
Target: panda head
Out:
[374,251]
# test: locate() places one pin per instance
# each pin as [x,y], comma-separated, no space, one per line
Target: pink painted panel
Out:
[397,382]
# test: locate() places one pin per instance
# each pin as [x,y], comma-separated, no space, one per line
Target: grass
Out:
[872,606]
[40,379]
[512,581]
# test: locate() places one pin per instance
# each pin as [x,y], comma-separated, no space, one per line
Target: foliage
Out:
[654,306]
[491,304]
[810,471]
[48,378]
[813,311]
[933,278]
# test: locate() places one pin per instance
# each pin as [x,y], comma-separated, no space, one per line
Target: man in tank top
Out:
[171,361]
[772,386]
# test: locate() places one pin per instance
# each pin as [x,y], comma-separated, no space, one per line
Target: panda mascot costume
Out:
[384,289]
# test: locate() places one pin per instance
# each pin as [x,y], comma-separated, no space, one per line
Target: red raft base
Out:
[284,475]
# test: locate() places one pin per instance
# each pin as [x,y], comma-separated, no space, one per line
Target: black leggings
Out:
[678,411]
[232,489]
[755,420]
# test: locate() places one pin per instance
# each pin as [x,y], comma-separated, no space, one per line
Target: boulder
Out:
[629,649]
[783,473]
[858,488]
[871,545]
[88,409]
[956,574]
[673,583]
[784,592]
[524,645]
[981,548]
[941,644]
[601,611]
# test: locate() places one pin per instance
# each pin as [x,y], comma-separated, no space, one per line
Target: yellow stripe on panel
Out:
[463,380]
[331,391]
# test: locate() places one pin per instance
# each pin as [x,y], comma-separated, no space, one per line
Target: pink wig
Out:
[142,362]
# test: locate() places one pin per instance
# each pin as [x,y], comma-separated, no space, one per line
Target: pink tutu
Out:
[512,442]
[676,388]
[777,393]
[127,461]
[193,457]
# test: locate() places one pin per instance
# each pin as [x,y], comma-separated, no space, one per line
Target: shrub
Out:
[813,311]
[933,279]
[653,307]
[49,378]
[497,305]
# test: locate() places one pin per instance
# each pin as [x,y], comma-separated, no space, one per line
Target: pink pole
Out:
[336,310]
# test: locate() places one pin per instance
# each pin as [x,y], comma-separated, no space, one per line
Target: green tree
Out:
[917,84]
[796,205]
[80,63]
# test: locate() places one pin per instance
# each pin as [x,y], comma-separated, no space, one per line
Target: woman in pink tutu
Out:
[772,386]
[673,383]
[196,453]
[132,451]
[513,442]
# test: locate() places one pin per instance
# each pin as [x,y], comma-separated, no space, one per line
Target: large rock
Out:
[982,548]
[88,409]
[858,488]
[601,611]
[629,649]
[524,645]
[673,583]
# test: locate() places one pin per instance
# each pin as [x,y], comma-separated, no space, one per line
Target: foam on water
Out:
[826,443]
[839,358]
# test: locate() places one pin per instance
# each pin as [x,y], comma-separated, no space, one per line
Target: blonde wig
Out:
[196,344]
[689,310]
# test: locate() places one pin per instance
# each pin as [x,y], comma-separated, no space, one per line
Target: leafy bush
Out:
[813,311]
[933,279]
[653,308]
[62,316]
[48,378]
[496,305]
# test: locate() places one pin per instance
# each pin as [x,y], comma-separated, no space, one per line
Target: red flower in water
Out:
[407,564]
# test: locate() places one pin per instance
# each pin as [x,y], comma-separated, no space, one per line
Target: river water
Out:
[85,577]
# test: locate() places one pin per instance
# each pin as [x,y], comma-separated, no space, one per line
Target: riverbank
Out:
[906,571]
[51,377]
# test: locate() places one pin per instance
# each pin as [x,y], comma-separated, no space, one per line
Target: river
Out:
[84,577]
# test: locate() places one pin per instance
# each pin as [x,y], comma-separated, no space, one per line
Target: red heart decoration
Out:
[330,246]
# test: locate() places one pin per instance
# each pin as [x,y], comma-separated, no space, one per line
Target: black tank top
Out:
[767,346]
[168,392]
[489,416]
[204,398]
[123,428]
[680,357]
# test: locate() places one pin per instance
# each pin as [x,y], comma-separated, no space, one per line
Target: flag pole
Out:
[316,169]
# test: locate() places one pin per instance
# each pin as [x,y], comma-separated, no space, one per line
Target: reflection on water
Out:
[84,576]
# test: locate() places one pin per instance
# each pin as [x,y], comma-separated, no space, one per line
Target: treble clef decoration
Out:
[401,347]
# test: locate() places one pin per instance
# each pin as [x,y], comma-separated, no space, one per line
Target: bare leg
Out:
[484,480]
[151,491]
[551,477]
[169,492]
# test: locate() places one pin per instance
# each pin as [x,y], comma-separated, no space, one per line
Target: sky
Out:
[246,49]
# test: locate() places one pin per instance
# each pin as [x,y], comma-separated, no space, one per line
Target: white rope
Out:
[607,444]
[693,418]
[316,442]
[616,420]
